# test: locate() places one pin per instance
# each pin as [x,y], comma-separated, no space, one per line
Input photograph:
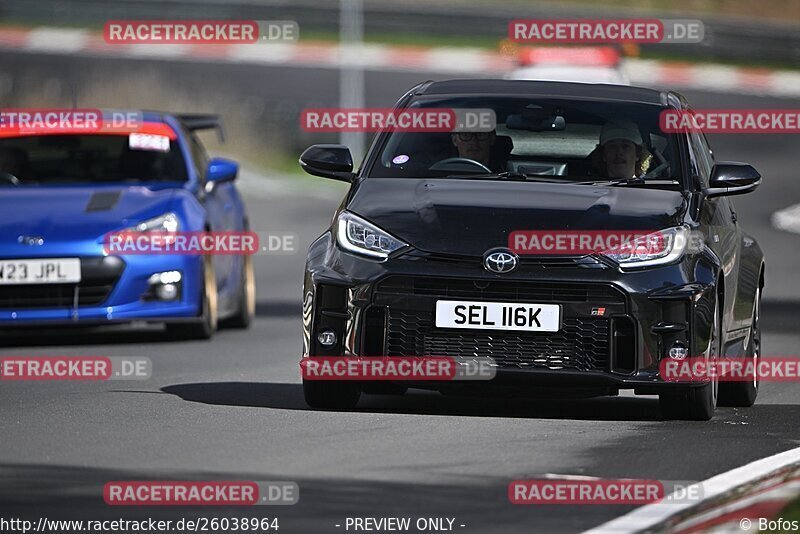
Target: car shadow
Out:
[105,335]
[280,308]
[284,396]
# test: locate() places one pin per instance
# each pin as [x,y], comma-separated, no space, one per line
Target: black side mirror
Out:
[328,161]
[732,178]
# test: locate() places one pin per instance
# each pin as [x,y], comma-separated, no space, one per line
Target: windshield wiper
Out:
[617,181]
[514,176]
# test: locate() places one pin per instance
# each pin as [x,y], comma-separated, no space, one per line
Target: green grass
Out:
[791,513]
[493,43]
[785,11]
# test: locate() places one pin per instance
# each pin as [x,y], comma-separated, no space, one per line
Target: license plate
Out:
[498,316]
[45,271]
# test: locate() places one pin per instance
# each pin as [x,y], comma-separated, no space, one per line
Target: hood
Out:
[468,217]
[76,213]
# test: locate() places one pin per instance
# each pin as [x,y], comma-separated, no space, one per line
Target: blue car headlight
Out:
[167,222]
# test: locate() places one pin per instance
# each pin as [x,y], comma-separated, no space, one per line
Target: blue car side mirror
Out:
[221,170]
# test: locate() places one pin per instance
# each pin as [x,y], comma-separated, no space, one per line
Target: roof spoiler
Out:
[200,121]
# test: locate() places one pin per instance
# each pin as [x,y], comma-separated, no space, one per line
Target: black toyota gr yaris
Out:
[418,257]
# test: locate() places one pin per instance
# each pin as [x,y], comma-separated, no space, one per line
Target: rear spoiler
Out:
[199,121]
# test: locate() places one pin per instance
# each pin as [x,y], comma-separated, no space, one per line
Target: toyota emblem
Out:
[500,261]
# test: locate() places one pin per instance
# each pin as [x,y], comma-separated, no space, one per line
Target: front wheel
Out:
[246,309]
[743,394]
[697,403]
[207,324]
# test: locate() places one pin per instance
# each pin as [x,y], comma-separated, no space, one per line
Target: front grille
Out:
[54,295]
[99,275]
[581,344]
[502,290]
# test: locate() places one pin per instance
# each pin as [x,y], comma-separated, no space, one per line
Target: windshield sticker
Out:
[151,142]
[399,160]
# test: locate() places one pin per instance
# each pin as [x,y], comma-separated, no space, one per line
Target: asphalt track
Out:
[232,408]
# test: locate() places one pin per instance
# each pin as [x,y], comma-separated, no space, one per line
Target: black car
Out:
[423,225]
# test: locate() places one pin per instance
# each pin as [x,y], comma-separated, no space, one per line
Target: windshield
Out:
[539,140]
[90,159]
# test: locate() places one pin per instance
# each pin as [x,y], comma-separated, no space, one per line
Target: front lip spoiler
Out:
[644,382]
[5,326]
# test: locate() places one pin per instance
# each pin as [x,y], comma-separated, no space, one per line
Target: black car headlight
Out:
[659,248]
[359,236]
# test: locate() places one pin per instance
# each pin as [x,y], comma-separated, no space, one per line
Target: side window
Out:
[701,159]
[706,152]
[693,161]
[199,157]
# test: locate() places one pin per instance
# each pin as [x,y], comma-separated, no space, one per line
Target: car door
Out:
[724,236]
[221,215]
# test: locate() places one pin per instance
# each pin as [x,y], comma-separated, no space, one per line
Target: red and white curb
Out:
[473,61]
[651,515]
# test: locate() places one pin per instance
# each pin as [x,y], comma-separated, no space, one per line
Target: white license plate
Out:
[44,271]
[498,316]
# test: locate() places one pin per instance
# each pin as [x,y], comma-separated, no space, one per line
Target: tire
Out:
[697,403]
[329,395]
[743,394]
[246,309]
[207,325]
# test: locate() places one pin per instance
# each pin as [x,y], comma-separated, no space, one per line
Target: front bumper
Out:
[113,289]
[616,326]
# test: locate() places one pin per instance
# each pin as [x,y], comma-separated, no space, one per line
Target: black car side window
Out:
[701,159]
[706,153]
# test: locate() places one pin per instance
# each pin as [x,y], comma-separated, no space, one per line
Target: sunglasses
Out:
[469,136]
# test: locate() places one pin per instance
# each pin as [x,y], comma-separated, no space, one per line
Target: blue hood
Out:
[63,214]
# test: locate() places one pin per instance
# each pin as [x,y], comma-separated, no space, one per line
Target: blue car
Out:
[62,194]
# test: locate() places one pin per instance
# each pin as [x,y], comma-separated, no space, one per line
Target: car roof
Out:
[564,90]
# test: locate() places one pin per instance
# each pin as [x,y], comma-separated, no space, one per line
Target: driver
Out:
[621,149]
[477,146]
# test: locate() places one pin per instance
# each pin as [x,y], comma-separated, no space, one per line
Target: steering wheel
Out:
[656,171]
[8,177]
[459,165]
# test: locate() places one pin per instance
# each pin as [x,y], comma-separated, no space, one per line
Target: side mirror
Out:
[220,170]
[328,161]
[731,178]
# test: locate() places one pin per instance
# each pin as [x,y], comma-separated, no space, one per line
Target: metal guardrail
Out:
[726,39]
